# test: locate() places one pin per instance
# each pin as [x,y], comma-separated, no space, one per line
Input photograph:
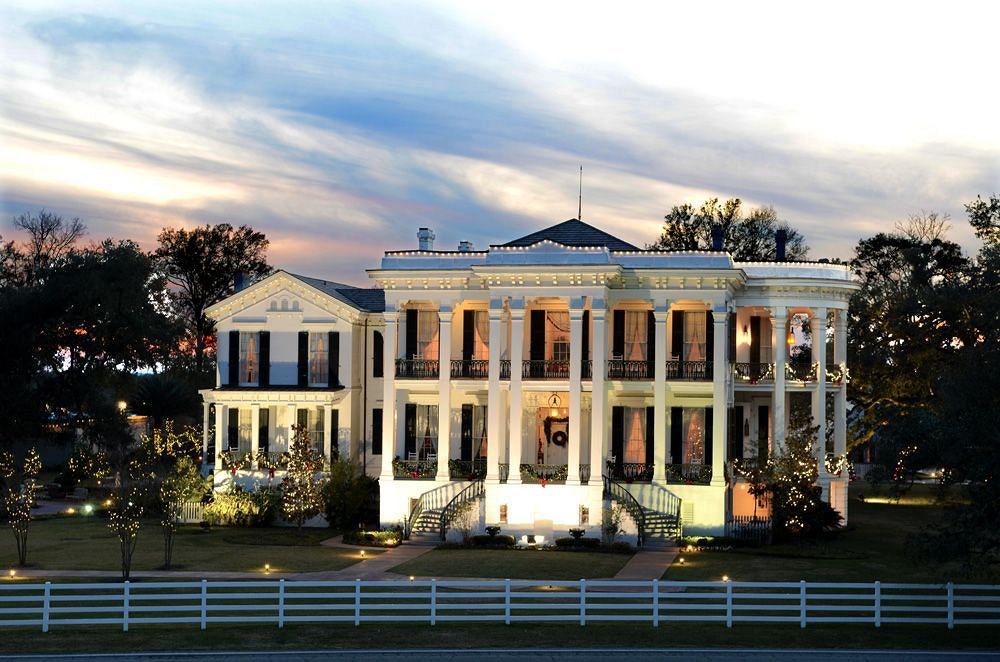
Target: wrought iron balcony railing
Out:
[630,370]
[801,371]
[753,373]
[699,474]
[544,473]
[690,370]
[470,369]
[414,469]
[417,368]
[631,472]
[534,369]
[504,368]
[467,469]
[836,373]
[586,369]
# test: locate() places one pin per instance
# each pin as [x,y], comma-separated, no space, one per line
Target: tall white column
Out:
[444,391]
[220,427]
[719,410]
[329,434]
[493,413]
[599,396]
[660,312]
[840,394]
[254,429]
[205,423]
[515,395]
[575,390]
[778,320]
[817,328]
[389,446]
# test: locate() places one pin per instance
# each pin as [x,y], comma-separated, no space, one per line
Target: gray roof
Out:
[368,299]
[574,233]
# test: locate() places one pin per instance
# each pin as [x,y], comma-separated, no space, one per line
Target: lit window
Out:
[249,358]
[481,336]
[635,435]
[557,335]
[694,336]
[636,325]
[318,359]
[694,435]
[427,335]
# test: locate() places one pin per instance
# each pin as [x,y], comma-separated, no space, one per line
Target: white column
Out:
[444,390]
[389,446]
[660,312]
[599,399]
[840,395]
[329,434]
[205,421]
[719,411]
[254,429]
[778,319]
[817,328]
[220,426]
[575,390]
[493,413]
[516,403]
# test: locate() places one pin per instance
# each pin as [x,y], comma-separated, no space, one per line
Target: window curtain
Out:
[427,335]
[694,336]
[635,335]
[245,421]
[249,357]
[557,336]
[766,351]
[479,432]
[481,336]
[427,430]
[318,362]
[635,435]
[694,435]
[316,435]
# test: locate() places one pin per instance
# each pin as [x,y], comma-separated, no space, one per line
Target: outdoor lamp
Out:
[362,553]
[725,578]
[122,405]
[680,561]
[13,573]
[267,568]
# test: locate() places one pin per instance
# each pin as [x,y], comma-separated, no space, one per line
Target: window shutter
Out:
[677,341]
[234,358]
[617,435]
[265,359]
[755,339]
[302,418]
[732,337]
[736,433]
[676,435]
[378,357]
[303,366]
[263,433]
[651,341]
[650,427]
[234,429]
[466,433]
[618,334]
[468,333]
[333,433]
[410,432]
[763,416]
[708,436]
[585,340]
[333,358]
[709,337]
[411,334]
[377,431]
[536,349]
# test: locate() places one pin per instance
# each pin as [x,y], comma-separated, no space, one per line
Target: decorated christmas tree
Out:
[302,487]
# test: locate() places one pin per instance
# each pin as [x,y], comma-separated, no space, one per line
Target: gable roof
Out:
[363,298]
[574,233]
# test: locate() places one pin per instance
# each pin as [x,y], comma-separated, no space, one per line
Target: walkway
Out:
[647,565]
[372,568]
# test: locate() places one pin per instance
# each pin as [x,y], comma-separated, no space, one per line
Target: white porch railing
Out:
[507,601]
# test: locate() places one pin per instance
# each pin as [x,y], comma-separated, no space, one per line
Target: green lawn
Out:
[877,545]
[514,564]
[86,543]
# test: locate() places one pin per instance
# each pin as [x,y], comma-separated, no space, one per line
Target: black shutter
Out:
[763,415]
[650,426]
[377,354]
[708,435]
[468,334]
[411,334]
[732,337]
[585,340]
[333,433]
[676,435]
[677,341]
[709,337]
[651,341]
[754,339]
[234,429]
[234,358]
[265,359]
[410,431]
[618,434]
[303,365]
[618,334]
[263,433]
[377,431]
[302,418]
[536,348]
[466,433]
[333,358]
[736,433]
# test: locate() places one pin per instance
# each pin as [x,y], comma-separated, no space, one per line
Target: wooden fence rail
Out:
[508,601]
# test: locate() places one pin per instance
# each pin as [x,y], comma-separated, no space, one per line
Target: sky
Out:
[338,129]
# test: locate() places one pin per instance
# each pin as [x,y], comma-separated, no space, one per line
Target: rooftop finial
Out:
[579,208]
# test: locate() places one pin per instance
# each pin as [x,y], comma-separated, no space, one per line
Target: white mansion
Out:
[539,379]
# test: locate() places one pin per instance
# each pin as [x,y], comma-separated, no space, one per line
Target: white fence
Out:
[192,512]
[503,601]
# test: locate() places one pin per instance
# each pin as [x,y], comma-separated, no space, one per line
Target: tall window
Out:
[427,334]
[427,430]
[249,358]
[635,434]
[319,365]
[766,353]
[377,356]
[693,449]
[479,432]
[481,336]
[636,325]
[694,336]
[557,335]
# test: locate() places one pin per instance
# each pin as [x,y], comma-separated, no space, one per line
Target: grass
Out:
[877,545]
[514,564]
[86,543]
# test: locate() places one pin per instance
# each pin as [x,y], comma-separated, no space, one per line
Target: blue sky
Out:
[339,128]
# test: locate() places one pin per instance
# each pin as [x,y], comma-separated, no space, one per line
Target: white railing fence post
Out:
[125,594]
[878,604]
[802,604]
[46,602]
[281,603]
[357,602]
[506,601]
[729,604]
[656,603]
[951,605]
[583,602]
[204,603]
[434,603]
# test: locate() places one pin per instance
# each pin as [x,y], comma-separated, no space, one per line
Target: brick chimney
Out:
[780,239]
[425,237]
[716,237]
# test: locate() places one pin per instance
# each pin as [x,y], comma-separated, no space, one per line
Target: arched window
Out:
[377,354]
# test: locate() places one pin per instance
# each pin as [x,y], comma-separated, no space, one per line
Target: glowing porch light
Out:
[122,405]
[725,578]
[267,568]
[680,561]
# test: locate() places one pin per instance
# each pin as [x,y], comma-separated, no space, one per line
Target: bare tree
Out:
[925,227]
[50,237]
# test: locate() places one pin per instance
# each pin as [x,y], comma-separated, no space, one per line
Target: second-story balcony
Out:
[690,370]
[630,370]
[544,369]
[470,369]
[753,373]
[417,368]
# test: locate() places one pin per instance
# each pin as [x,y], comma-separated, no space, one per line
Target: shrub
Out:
[380,538]
[578,543]
[577,533]
[492,531]
[346,494]
[493,541]
[238,507]
[622,547]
